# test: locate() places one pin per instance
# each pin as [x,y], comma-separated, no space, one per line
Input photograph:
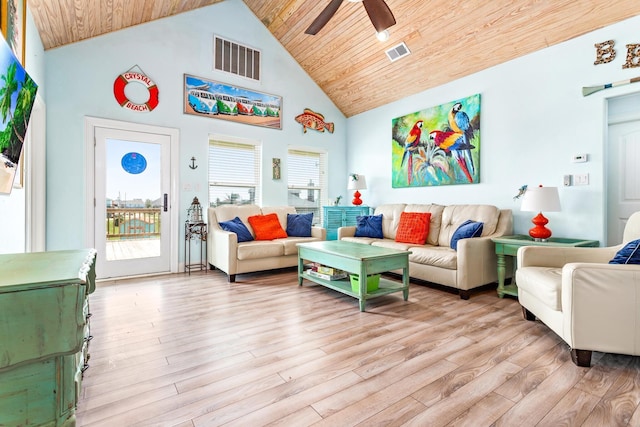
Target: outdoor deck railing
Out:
[133,223]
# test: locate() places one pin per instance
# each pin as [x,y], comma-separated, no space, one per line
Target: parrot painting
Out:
[454,143]
[459,122]
[411,144]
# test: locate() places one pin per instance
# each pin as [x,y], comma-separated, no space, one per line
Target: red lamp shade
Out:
[538,199]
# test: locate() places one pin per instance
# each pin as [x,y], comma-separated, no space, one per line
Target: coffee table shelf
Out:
[356,258]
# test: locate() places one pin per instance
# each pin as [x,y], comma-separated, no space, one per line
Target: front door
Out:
[132,215]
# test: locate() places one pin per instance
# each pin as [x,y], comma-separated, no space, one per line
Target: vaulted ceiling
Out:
[448,40]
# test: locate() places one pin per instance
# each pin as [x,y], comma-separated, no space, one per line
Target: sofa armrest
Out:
[319,233]
[222,250]
[348,231]
[600,307]
[477,262]
[545,256]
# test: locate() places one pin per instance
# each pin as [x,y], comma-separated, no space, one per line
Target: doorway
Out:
[133,226]
[623,175]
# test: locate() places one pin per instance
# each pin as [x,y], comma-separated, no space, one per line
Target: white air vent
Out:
[235,58]
[398,52]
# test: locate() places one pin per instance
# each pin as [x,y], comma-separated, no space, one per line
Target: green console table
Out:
[44,335]
[508,246]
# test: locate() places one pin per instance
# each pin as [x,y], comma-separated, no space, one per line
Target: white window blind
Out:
[307,181]
[234,172]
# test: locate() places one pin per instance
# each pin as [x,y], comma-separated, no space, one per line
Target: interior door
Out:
[623,183]
[132,208]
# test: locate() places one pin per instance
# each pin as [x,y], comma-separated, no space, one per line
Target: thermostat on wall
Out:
[579,158]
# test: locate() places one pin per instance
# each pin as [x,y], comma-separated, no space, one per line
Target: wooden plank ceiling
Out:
[448,40]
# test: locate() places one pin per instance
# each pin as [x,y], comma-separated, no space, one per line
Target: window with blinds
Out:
[235,58]
[307,181]
[234,172]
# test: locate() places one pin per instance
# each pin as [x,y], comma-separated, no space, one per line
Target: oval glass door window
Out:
[134,163]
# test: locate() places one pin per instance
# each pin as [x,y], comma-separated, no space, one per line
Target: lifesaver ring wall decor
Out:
[134,76]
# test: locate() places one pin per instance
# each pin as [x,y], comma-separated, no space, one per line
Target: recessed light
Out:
[383,36]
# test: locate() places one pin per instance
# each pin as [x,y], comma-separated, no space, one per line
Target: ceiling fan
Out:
[378,11]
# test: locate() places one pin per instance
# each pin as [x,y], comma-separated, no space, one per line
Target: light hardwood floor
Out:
[181,350]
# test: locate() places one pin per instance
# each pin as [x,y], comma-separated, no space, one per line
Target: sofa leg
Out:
[212,267]
[231,278]
[528,315]
[464,294]
[581,358]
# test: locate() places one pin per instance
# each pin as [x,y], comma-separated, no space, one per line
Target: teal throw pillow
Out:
[629,254]
[369,226]
[466,230]
[299,225]
[237,226]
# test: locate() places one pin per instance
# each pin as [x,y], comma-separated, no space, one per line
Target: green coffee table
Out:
[508,246]
[356,258]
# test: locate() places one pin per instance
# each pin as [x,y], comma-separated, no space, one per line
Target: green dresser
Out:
[44,335]
[335,217]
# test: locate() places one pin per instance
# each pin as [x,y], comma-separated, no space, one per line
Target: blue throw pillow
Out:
[299,225]
[369,226]
[466,230]
[237,226]
[630,254]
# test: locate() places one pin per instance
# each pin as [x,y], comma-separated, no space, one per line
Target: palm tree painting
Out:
[17,95]
[437,146]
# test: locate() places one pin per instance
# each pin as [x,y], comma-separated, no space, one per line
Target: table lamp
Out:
[357,182]
[538,199]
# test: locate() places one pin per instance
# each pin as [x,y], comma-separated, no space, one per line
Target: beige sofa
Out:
[225,253]
[473,264]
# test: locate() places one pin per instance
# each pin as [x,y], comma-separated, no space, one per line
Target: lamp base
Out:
[356,198]
[540,232]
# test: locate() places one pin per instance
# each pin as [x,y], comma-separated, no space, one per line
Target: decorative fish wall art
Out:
[312,120]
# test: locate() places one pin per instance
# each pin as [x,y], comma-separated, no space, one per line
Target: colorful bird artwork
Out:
[454,143]
[459,122]
[410,146]
[312,120]
[521,192]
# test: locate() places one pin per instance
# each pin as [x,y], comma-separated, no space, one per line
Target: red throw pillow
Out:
[413,227]
[267,227]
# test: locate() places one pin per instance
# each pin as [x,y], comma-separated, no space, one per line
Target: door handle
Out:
[166,198]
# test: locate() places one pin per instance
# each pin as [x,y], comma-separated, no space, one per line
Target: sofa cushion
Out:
[435,221]
[369,226]
[227,212]
[454,215]
[437,256]
[629,254]
[390,218]
[281,211]
[413,227]
[235,225]
[260,249]
[466,230]
[267,227]
[299,225]
[547,282]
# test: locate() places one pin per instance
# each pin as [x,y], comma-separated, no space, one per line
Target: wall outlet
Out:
[567,180]
[581,179]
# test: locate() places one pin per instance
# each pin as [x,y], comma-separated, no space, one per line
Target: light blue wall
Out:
[80,83]
[534,119]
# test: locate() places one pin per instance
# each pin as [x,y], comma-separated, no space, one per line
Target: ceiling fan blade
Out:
[380,14]
[324,17]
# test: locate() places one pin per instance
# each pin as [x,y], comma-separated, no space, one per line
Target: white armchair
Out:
[591,304]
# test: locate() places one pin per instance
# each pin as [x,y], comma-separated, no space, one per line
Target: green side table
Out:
[508,246]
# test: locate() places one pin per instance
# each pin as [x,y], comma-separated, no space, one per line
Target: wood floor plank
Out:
[187,350]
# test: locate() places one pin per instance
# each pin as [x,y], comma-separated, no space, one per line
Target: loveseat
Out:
[232,257]
[472,264]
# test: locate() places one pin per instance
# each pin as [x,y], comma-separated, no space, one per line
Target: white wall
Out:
[80,83]
[13,223]
[533,119]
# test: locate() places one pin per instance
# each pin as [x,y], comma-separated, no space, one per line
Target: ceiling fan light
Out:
[383,36]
